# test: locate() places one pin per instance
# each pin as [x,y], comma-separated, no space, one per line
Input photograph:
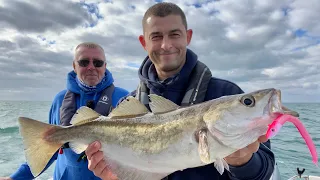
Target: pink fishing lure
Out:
[276,125]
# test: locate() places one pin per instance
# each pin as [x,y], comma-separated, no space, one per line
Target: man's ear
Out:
[74,66]
[142,41]
[189,36]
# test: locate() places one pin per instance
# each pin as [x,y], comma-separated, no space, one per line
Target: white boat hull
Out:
[305,177]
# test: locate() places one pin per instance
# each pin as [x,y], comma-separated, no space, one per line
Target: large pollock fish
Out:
[143,145]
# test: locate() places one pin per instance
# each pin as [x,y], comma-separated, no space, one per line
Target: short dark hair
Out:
[164,9]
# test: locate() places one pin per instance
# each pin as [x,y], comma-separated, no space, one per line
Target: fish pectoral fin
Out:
[203,147]
[78,147]
[220,165]
[125,172]
[130,107]
[83,115]
[37,150]
[160,104]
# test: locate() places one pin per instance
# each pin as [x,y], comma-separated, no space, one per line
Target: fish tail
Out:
[38,150]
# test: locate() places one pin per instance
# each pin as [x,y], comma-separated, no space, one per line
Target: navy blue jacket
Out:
[261,165]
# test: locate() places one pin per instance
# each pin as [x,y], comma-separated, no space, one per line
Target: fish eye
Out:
[248,101]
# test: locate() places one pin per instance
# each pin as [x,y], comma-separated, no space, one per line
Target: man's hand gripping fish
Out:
[144,145]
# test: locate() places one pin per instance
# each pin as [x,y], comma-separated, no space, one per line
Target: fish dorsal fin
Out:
[83,115]
[160,104]
[130,107]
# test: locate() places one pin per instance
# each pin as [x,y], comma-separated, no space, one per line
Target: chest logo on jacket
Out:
[104,99]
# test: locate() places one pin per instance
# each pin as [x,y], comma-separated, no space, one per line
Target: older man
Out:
[174,72]
[91,84]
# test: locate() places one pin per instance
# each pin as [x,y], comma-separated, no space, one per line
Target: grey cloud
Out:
[26,64]
[260,37]
[243,60]
[297,73]
[5,44]
[246,61]
[303,73]
[35,60]
[21,84]
[26,49]
[117,46]
[29,68]
[264,42]
[239,75]
[305,16]
[26,42]
[220,53]
[43,15]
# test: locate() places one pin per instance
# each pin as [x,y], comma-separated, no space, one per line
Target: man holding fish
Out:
[172,71]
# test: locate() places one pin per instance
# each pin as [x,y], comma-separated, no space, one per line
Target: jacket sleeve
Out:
[261,165]
[24,172]
[118,96]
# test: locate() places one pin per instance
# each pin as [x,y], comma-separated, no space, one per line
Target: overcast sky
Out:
[256,44]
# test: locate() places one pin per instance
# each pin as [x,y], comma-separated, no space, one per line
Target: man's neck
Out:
[163,75]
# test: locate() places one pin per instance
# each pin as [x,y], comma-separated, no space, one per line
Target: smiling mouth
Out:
[165,54]
[170,53]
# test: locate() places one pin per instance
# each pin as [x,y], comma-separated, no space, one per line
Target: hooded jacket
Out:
[259,167]
[67,167]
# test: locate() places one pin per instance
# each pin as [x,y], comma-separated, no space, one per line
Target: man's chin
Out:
[172,66]
[169,68]
[91,83]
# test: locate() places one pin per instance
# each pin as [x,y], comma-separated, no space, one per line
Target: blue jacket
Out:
[262,163]
[67,167]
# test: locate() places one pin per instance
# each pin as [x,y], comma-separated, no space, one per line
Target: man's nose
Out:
[90,65]
[166,43]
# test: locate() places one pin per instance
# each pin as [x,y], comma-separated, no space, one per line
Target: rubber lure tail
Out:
[276,125]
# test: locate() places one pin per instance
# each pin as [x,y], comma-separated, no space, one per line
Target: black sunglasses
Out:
[85,62]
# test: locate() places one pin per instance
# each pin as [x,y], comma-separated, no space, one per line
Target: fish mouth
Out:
[275,106]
